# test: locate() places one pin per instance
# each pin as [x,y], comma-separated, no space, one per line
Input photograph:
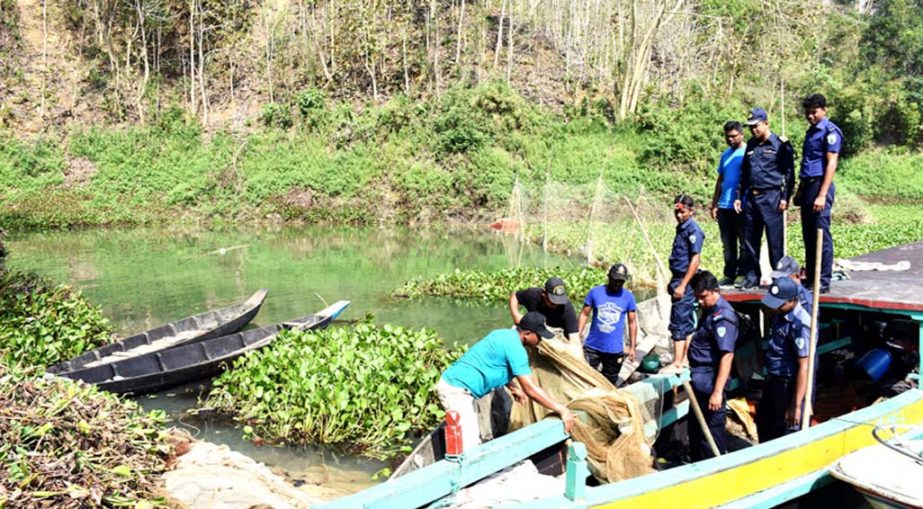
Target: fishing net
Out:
[610,422]
[608,225]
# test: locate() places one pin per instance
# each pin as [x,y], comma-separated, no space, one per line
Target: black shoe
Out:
[726,281]
[750,284]
[824,289]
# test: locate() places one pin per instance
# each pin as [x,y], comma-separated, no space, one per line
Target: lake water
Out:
[144,278]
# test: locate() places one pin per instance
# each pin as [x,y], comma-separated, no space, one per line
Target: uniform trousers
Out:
[682,319]
[770,414]
[761,212]
[810,222]
[703,384]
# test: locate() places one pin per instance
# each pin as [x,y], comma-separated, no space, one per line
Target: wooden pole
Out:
[694,403]
[660,266]
[806,416]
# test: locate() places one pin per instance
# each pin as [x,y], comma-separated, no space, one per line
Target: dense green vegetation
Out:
[67,445]
[367,388]
[42,323]
[497,285]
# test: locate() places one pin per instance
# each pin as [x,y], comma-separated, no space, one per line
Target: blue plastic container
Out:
[875,363]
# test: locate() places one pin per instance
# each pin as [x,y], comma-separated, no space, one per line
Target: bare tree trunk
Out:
[436,44]
[192,65]
[404,60]
[499,34]
[459,36]
[44,60]
[202,67]
[509,42]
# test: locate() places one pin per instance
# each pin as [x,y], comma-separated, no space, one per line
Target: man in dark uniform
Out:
[767,177]
[711,354]
[684,262]
[552,302]
[816,191]
[780,409]
[789,268]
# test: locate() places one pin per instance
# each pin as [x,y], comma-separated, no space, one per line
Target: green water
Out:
[144,278]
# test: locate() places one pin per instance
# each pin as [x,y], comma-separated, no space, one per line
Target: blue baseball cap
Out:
[782,290]
[756,116]
[786,267]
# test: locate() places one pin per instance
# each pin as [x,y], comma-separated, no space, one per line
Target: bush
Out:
[276,115]
[369,393]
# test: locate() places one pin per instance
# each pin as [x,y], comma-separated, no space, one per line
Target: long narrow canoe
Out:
[208,325]
[156,371]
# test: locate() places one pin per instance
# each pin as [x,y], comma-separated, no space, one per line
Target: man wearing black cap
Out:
[604,348]
[789,268]
[550,301]
[767,178]
[780,408]
[493,362]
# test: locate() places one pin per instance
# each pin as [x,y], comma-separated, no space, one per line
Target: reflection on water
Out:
[144,278]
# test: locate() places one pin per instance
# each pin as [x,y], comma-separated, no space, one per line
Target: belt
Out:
[779,378]
[810,179]
[757,192]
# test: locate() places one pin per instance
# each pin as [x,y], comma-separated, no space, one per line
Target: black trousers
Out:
[810,222]
[611,363]
[770,414]
[761,212]
[703,383]
[731,226]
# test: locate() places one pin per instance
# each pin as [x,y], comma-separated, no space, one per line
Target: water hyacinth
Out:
[368,388]
[67,445]
[494,286]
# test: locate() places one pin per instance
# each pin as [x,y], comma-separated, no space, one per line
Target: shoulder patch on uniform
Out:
[831,139]
[799,342]
[692,238]
[722,330]
[783,139]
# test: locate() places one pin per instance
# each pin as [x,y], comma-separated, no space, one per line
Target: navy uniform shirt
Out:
[770,165]
[805,299]
[716,335]
[687,242]
[820,139]
[788,342]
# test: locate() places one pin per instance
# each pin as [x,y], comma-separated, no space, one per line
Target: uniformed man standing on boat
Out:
[495,361]
[684,262]
[552,302]
[779,410]
[711,353]
[789,268]
[816,190]
[767,178]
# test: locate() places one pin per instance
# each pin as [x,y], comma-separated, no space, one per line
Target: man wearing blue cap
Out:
[789,268]
[767,178]
[711,354]
[816,190]
[780,408]
[493,362]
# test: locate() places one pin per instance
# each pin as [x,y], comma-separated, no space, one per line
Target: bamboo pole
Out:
[694,403]
[661,268]
[806,415]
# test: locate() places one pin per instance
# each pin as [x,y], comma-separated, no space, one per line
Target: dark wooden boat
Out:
[156,371]
[208,325]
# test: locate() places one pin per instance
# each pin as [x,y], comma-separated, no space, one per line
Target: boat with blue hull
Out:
[880,310]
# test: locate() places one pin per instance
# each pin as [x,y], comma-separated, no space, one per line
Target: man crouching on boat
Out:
[779,410]
[711,353]
[492,362]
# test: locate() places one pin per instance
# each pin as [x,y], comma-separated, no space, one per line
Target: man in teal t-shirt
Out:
[491,363]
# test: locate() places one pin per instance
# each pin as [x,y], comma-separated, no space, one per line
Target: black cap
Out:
[557,294]
[618,272]
[534,321]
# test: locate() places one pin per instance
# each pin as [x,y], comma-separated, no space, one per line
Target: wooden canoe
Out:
[161,370]
[208,325]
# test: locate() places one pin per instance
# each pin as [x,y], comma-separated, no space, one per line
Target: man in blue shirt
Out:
[780,408]
[493,362]
[816,191]
[767,177]
[604,348]
[711,353]
[684,262]
[730,223]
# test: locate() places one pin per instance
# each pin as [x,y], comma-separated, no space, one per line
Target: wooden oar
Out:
[808,408]
[694,403]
